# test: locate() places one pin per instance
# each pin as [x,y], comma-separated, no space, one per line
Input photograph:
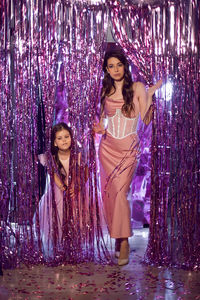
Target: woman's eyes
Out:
[119,65]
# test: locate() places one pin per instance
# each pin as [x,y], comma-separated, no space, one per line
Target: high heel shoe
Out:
[117,247]
[117,254]
[124,261]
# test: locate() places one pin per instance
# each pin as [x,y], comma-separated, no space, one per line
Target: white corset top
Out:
[120,127]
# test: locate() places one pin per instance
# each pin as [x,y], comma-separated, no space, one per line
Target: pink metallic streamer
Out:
[28,81]
[81,54]
[132,30]
[175,195]
[36,37]
[173,39]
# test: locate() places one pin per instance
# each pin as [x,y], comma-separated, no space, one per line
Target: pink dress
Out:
[67,229]
[118,155]
[49,228]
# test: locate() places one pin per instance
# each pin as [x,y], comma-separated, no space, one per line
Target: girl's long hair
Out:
[108,83]
[54,150]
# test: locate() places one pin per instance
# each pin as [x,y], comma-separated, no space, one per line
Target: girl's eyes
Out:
[60,138]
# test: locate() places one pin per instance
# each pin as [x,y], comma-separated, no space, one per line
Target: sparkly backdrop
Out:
[50,57]
[48,48]
[27,93]
[163,41]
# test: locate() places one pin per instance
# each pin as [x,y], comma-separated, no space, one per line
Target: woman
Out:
[122,101]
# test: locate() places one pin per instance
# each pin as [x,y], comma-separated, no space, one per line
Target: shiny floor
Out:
[98,282]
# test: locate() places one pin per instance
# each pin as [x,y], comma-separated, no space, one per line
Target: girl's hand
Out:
[153,88]
[63,187]
[72,192]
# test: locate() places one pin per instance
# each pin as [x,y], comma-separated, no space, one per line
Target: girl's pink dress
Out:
[68,227]
[118,155]
[49,228]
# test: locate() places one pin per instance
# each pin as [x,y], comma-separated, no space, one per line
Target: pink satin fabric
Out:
[118,161]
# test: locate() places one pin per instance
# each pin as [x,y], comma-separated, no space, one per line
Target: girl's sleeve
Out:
[43,159]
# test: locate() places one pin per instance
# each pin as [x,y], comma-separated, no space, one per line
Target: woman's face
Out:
[115,68]
[63,140]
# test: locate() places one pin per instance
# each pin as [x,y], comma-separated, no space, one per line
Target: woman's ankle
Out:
[124,241]
[117,244]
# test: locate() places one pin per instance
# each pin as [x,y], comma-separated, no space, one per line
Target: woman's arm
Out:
[145,100]
[99,127]
[141,95]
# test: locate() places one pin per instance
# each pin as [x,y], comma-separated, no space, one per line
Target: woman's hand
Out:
[98,128]
[153,88]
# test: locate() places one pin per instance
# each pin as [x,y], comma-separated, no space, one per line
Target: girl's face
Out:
[115,68]
[63,140]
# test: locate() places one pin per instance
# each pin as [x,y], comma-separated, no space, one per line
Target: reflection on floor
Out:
[97,282]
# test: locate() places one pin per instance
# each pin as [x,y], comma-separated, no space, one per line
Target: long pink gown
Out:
[118,155]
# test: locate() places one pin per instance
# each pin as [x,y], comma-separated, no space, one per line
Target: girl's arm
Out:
[59,183]
[43,159]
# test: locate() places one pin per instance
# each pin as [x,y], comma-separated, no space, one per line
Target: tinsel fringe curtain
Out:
[47,43]
[163,42]
[27,82]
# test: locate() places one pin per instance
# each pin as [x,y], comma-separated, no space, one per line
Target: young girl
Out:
[58,218]
[122,102]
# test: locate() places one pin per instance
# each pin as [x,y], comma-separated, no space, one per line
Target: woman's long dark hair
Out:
[54,150]
[108,83]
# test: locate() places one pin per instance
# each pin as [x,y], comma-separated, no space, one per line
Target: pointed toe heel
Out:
[117,254]
[123,261]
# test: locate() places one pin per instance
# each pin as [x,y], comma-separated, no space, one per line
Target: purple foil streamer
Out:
[35,37]
[28,78]
[132,30]
[172,53]
[82,34]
